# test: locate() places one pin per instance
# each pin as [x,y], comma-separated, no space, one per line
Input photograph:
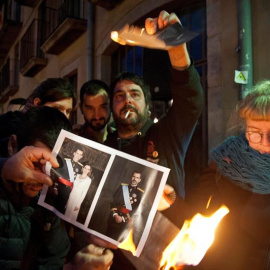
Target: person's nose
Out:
[128,98]
[96,114]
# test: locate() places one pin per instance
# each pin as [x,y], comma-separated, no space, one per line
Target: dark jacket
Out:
[166,142]
[242,239]
[31,237]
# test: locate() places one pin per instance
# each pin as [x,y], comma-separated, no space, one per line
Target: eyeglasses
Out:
[256,137]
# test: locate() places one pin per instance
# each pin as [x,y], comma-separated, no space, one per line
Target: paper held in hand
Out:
[104,191]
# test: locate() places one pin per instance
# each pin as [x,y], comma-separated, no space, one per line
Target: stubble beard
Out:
[132,123]
[97,127]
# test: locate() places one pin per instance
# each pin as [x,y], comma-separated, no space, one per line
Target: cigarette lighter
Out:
[164,39]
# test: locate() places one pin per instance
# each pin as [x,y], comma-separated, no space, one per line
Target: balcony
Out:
[9,80]
[10,27]
[64,26]
[32,58]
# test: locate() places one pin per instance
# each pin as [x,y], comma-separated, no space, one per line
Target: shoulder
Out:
[141,190]
[88,179]
[124,184]
[77,129]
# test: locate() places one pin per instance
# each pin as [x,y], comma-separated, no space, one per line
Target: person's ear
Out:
[149,112]
[12,145]
[36,101]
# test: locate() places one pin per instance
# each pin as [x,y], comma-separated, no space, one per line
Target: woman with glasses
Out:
[238,176]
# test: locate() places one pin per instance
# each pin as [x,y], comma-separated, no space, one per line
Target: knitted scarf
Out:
[243,165]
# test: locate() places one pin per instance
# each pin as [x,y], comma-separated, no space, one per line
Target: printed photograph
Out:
[104,191]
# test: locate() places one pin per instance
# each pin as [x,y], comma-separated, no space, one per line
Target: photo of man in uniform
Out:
[67,173]
[125,202]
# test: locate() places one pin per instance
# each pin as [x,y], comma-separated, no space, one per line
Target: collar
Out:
[141,132]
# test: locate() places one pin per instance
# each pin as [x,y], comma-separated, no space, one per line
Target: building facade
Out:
[71,39]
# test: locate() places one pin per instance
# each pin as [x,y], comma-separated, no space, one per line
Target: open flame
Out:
[193,240]
[128,243]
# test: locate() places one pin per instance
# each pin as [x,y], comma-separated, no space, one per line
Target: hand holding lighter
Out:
[164,39]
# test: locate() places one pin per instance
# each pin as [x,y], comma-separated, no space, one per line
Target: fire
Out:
[115,37]
[128,243]
[193,240]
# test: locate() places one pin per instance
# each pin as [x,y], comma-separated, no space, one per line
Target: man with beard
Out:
[95,107]
[165,142]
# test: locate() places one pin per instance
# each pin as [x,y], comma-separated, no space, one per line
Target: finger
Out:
[93,249]
[38,177]
[173,19]
[163,204]
[36,154]
[102,257]
[168,189]
[102,243]
[163,19]
[108,257]
[151,26]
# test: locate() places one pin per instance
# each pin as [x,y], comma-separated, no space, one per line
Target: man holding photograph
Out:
[167,141]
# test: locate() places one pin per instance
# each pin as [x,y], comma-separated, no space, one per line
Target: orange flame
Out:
[193,240]
[128,243]
[115,37]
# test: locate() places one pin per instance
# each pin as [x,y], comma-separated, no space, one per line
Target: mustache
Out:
[97,120]
[125,108]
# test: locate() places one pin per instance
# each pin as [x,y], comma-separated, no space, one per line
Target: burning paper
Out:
[171,36]
[192,242]
[128,243]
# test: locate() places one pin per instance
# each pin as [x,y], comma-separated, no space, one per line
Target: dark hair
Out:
[19,101]
[137,172]
[92,88]
[137,80]
[43,124]
[54,89]
[79,148]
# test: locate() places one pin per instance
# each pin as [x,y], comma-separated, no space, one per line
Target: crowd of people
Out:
[237,175]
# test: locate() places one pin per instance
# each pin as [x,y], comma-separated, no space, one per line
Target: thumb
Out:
[37,176]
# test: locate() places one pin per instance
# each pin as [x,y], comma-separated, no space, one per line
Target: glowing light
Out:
[128,243]
[131,41]
[114,35]
[193,240]
[155,120]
